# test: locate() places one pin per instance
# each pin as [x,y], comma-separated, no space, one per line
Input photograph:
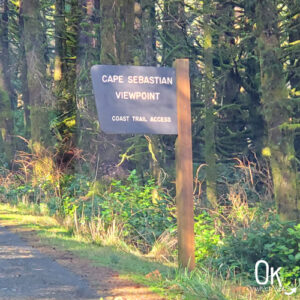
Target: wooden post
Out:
[184,168]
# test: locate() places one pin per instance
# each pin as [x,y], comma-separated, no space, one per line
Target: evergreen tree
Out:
[279,145]
[36,69]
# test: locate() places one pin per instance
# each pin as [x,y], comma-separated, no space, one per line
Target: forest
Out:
[119,189]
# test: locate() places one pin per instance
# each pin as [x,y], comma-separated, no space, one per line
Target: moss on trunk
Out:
[275,104]
[36,70]
[209,123]
[6,117]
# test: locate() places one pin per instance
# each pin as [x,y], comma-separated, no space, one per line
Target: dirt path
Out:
[31,270]
[25,273]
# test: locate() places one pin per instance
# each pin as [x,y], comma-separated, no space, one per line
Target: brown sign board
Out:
[135,99]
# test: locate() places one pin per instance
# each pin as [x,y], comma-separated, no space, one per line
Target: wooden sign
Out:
[134,99]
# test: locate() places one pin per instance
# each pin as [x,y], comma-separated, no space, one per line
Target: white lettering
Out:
[139,79]
[169,80]
[267,272]
[137,95]
[160,119]
[112,78]
[132,95]
[120,118]
[139,119]
[273,274]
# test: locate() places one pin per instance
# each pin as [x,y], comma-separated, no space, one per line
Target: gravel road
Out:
[25,274]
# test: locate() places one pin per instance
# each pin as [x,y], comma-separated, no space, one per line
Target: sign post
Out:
[135,99]
[184,168]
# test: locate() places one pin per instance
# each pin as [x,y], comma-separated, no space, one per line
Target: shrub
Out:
[73,189]
[206,237]
[143,210]
[273,241]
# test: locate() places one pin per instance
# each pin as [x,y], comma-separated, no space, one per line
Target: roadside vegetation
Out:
[131,227]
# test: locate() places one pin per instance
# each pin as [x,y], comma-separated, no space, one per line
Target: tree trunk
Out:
[117,31]
[148,27]
[6,91]
[280,142]
[117,24]
[36,70]
[294,36]
[209,123]
[60,44]
[124,20]
[144,33]
[65,76]
[23,74]
[6,124]
[88,54]
[108,33]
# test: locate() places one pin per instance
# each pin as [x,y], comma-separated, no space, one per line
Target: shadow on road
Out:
[25,273]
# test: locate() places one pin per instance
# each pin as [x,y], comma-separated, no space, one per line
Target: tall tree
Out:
[65,76]
[60,43]
[275,103]
[209,94]
[148,29]
[293,24]
[36,69]
[6,91]
[124,22]
[117,24]
[117,43]
[145,54]
[23,73]
[88,54]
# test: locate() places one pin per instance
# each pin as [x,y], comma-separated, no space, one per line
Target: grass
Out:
[165,279]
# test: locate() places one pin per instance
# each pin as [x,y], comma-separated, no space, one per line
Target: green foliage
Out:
[16,193]
[206,237]
[273,241]
[143,211]
[143,214]
[73,188]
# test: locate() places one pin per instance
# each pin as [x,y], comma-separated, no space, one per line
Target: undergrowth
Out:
[138,217]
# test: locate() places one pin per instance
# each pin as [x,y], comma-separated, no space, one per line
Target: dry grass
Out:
[163,248]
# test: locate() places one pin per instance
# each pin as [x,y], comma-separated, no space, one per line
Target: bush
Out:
[143,210]
[73,189]
[273,241]
[206,237]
